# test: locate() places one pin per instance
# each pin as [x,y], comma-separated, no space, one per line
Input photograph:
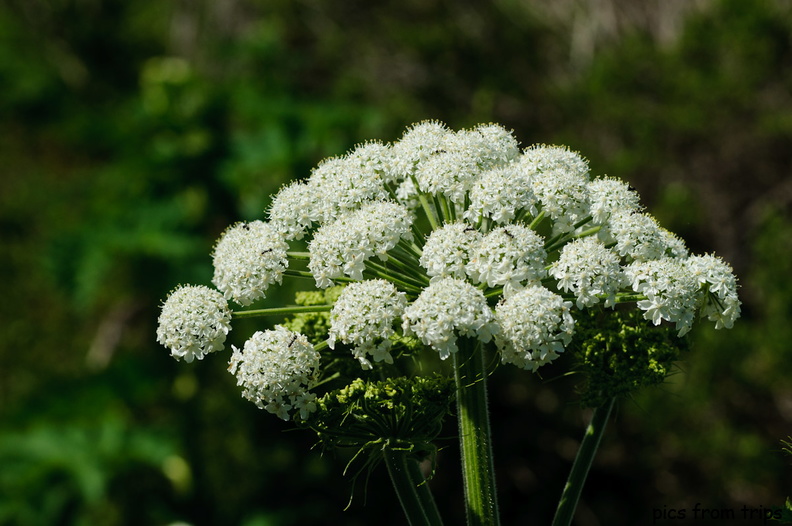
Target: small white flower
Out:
[638,237]
[276,368]
[509,256]
[294,209]
[500,193]
[673,293]
[559,179]
[346,183]
[609,195]
[535,326]
[248,258]
[343,246]
[464,155]
[194,321]
[372,160]
[407,194]
[589,270]
[541,158]
[674,245]
[363,316]
[448,249]
[495,144]
[446,309]
[722,303]
[417,144]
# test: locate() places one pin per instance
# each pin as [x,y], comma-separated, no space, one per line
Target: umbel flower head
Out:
[443,235]
[276,368]
[194,321]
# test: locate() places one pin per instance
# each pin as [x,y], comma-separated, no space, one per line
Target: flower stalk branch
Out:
[585,456]
[411,488]
[475,436]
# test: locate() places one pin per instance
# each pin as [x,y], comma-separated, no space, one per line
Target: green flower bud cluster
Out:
[620,352]
[314,325]
[403,413]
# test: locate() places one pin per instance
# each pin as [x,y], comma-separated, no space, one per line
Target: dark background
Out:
[133,133]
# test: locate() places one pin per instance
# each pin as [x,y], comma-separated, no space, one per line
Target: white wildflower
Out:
[674,245]
[372,160]
[363,316]
[722,303]
[465,154]
[495,144]
[447,250]
[535,326]
[672,291]
[609,195]
[407,194]
[194,321]
[500,193]
[589,270]
[417,144]
[510,256]
[559,179]
[276,368]
[248,258]
[541,158]
[345,183]
[446,309]
[343,246]
[294,209]
[637,236]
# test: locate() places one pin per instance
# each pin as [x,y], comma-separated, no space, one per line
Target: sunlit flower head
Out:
[276,368]
[194,321]
[248,258]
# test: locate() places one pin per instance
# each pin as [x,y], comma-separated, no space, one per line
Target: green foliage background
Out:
[133,133]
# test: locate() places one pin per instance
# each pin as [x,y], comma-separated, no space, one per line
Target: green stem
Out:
[424,492]
[536,220]
[401,281]
[475,439]
[308,275]
[580,468]
[279,311]
[425,204]
[400,470]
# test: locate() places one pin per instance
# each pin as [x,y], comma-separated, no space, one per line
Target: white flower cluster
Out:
[608,196]
[294,209]
[509,256]
[448,249]
[343,246]
[560,180]
[276,368]
[194,321]
[433,230]
[535,326]
[446,309]
[461,158]
[672,292]
[589,270]
[363,316]
[637,236]
[499,193]
[717,277]
[248,258]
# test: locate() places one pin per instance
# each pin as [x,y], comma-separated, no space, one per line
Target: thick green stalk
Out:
[280,311]
[424,492]
[412,493]
[580,468]
[475,438]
